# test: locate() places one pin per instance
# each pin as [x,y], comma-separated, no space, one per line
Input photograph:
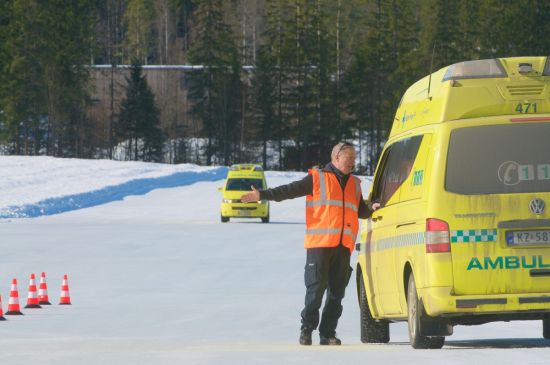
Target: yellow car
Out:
[462,236]
[239,180]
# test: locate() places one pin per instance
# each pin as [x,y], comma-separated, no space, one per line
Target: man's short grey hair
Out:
[339,147]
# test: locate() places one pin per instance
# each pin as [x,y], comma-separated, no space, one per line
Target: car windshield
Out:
[243,184]
[499,159]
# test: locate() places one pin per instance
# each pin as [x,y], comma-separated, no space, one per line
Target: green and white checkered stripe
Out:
[474,235]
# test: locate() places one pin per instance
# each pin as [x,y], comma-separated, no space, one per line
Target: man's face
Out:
[345,161]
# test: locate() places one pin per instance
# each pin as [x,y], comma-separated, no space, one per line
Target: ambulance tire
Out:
[265,219]
[372,331]
[225,219]
[416,315]
[546,328]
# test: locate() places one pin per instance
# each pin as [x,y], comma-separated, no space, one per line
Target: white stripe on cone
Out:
[65,297]
[43,291]
[13,304]
[14,294]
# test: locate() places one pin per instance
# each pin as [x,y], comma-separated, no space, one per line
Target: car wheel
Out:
[546,328]
[416,315]
[265,219]
[225,219]
[372,331]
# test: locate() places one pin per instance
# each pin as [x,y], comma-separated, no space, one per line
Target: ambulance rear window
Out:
[499,159]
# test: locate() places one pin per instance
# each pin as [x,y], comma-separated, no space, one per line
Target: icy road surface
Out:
[157,279]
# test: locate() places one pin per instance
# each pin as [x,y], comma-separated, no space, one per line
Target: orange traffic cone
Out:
[13,304]
[1,311]
[32,298]
[43,291]
[65,298]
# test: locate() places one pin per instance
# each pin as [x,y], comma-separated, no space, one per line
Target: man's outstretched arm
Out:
[289,191]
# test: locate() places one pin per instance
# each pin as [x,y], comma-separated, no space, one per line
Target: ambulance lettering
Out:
[508,262]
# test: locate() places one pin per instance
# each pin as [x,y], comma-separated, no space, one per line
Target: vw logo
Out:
[537,206]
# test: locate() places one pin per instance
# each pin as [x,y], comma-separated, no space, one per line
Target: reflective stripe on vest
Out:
[350,232]
[332,214]
[351,206]
[334,203]
[323,231]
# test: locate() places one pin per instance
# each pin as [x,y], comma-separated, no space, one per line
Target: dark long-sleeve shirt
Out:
[304,187]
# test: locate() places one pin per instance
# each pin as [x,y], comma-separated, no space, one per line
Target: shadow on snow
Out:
[110,193]
[501,343]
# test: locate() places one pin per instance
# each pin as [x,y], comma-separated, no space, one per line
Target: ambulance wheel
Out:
[546,328]
[225,219]
[416,316]
[265,219]
[372,331]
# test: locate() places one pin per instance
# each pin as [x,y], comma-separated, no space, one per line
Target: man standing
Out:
[334,204]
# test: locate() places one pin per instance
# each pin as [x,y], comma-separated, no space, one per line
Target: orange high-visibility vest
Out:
[332,214]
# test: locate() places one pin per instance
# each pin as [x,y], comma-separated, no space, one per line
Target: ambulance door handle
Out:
[378,218]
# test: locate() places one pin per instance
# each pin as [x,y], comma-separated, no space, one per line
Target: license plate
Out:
[244,213]
[520,238]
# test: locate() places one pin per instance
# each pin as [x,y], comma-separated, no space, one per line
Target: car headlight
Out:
[227,200]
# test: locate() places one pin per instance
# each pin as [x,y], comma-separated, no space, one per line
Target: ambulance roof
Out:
[246,171]
[479,88]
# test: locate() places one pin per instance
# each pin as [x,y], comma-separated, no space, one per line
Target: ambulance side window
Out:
[396,166]
[379,178]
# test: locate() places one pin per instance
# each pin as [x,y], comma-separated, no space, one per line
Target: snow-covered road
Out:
[157,279]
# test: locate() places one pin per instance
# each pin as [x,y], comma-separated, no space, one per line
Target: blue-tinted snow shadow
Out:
[501,343]
[110,193]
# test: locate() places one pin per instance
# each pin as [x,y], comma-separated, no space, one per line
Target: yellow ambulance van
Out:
[463,233]
[239,179]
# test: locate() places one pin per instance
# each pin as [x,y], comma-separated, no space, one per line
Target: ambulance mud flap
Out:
[432,326]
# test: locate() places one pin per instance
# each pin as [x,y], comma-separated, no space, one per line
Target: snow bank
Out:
[35,186]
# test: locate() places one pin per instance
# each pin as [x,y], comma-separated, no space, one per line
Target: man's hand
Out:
[253,196]
[375,206]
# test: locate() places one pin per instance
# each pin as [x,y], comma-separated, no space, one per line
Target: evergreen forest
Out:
[275,82]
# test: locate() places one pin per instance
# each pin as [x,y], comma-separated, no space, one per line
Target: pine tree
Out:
[215,90]
[138,123]
[442,31]
[49,45]
[327,105]
[511,28]
[470,25]
[24,99]
[5,17]
[67,74]
[264,101]
[185,10]
[139,17]
[405,46]
[358,81]
[296,90]
[380,63]
[540,28]
[271,80]
[307,72]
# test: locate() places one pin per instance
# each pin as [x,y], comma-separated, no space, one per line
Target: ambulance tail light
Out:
[437,236]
